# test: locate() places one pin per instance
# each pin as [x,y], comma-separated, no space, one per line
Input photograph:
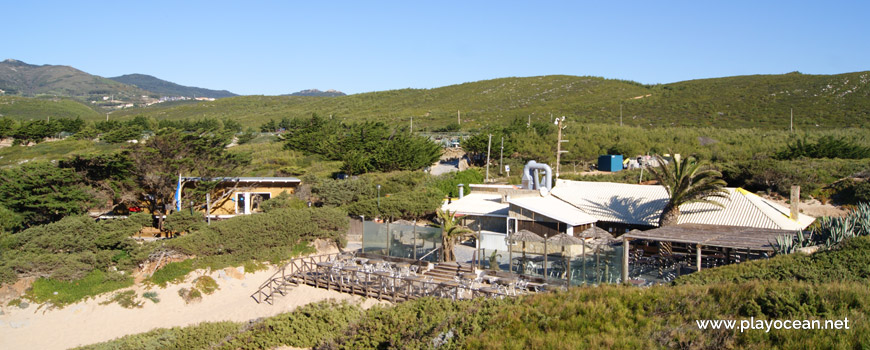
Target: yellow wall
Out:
[228,205]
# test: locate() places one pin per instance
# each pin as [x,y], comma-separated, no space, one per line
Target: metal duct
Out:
[532,181]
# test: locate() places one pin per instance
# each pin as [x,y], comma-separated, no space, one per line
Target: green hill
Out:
[166,88]
[22,79]
[761,101]
[23,108]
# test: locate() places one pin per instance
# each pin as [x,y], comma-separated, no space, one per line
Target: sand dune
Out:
[89,322]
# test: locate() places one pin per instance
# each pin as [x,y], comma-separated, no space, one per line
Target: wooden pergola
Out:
[737,238]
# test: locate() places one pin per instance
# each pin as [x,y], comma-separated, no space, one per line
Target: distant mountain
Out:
[166,88]
[318,93]
[21,79]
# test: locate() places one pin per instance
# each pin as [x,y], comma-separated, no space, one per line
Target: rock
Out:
[234,273]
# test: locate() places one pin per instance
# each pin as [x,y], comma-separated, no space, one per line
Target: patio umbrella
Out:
[564,239]
[524,236]
[600,237]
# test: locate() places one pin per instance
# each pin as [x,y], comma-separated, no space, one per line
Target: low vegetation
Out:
[126,299]
[60,293]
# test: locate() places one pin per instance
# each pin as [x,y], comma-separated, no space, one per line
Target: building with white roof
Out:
[621,207]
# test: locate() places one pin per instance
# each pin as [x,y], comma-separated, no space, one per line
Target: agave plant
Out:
[787,244]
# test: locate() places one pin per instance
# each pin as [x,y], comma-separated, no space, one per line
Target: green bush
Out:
[305,327]
[151,296]
[72,247]
[272,236]
[206,285]
[60,293]
[847,263]
[127,299]
[173,272]
[448,183]
[200,336]
[183,221]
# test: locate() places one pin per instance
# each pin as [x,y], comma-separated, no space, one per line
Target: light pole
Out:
[379,198]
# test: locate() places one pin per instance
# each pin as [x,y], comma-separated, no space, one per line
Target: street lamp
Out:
[379,197]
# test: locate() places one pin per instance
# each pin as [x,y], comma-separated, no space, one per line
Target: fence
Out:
[401,241]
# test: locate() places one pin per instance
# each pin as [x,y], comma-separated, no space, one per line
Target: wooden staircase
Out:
[446,271]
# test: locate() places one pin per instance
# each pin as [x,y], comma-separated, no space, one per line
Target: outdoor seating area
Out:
[391,279]
[663,254]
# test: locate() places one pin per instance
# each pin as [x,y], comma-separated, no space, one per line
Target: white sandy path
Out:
[88,322]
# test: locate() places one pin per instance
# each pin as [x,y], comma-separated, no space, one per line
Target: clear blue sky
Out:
[279,47]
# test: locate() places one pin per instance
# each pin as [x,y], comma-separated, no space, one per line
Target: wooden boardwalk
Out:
[386,280]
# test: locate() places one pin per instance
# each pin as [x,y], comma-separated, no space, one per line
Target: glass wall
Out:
[402,241]
[600,264]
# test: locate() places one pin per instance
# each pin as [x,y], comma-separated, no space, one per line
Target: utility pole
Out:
[412,125]
[501,156]
[559,150]
[488,146]
[107,116]
[791,123]
[529,123]
[458,118]
[620,114]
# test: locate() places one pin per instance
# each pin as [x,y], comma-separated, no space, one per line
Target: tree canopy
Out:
[363,147]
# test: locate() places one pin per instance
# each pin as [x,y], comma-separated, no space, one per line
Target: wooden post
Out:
[625,247]
[415,239]
[794,201]
[583,256]
[698,256]
[208,208]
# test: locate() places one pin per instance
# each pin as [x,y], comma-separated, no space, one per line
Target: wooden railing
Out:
[287,274]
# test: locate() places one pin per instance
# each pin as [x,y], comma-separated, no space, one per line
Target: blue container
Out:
[612,163]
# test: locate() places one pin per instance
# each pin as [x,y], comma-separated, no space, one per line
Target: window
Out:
[248,202]
[257,199]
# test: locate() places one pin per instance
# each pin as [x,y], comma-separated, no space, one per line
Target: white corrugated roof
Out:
[642,205]
[479,204]
[554,208]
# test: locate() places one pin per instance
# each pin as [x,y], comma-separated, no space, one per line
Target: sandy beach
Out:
[89,322]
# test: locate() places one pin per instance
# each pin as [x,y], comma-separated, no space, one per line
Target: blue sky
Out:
[277,47]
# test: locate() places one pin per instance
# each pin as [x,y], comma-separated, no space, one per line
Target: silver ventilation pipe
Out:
[532,181]
[461,191]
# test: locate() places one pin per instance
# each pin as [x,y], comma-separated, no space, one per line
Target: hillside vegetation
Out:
[759,101]
[23,108]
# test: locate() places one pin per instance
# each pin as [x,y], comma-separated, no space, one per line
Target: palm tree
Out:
[686,182]
[451,231]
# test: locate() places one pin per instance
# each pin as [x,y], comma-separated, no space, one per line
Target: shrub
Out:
[72,247]
[173,272]
[127,299]
[206,285]
[183,221]
[271,236]
[151,296]
[201,336]
[305,327]
[190,295]
[61,293]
